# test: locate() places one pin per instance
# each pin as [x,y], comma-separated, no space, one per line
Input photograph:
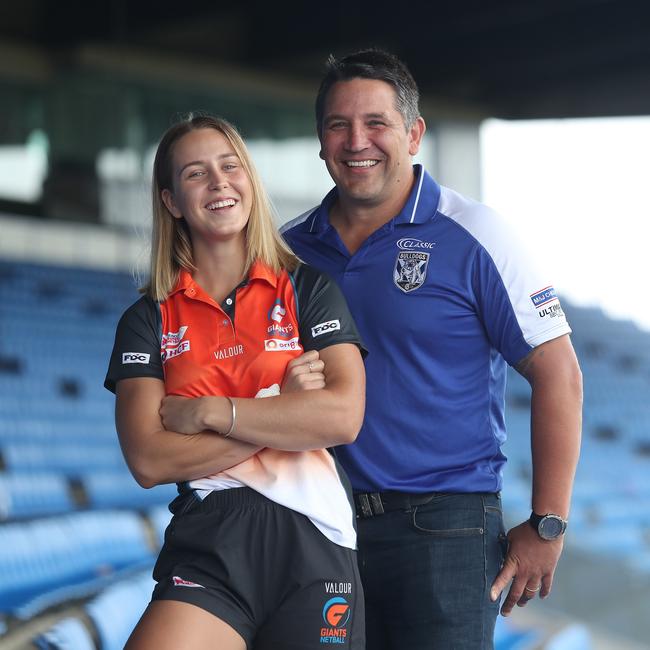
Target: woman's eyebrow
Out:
[202,162]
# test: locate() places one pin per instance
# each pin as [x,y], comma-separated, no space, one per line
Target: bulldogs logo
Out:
[410,270]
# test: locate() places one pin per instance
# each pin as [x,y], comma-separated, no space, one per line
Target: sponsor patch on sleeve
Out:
[135,357]
[543,296]
[324,328]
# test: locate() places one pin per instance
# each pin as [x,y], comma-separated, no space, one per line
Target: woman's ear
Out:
[168,200]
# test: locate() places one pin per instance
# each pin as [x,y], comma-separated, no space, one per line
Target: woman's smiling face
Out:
[210,186]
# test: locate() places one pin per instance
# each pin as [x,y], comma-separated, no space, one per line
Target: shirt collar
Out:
[423,200]
[258,271]
[421,205]
[185,283]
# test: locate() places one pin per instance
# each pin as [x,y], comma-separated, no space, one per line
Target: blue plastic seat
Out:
[117,609]
[620,542]
[71,459]
[159,518]
[508,636]
[572,637]
[119,489]
[39,559]
[30,495]
[68,634]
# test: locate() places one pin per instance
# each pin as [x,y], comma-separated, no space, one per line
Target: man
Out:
[444,297]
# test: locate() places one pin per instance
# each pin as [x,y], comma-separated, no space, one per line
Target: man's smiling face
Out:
[365,143]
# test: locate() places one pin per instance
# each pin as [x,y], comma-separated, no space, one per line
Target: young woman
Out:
[260,552]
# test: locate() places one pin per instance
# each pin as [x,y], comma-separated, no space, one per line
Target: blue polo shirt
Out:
[443,296]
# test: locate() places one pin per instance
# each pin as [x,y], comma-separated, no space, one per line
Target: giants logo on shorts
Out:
[336,614]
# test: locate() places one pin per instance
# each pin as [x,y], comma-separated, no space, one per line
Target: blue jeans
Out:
[427,573]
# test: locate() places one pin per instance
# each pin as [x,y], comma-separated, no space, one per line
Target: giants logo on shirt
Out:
[277,311]
[275,329]
[172,344]
[275,316]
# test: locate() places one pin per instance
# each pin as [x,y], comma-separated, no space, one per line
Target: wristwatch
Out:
[548,526]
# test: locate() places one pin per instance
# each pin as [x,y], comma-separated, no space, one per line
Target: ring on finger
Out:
[311,366]
[533,591]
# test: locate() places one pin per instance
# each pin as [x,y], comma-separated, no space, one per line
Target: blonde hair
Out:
[171,244]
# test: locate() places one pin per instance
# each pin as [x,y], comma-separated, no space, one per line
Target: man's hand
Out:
[304,373]
[530,564]
[181,414]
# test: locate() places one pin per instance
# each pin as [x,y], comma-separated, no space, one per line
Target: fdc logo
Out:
[135,357]
[336,614]
[323,328]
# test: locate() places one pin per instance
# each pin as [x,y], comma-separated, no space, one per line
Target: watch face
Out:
[551,527]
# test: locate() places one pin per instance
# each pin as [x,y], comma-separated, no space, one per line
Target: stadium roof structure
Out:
[498,58]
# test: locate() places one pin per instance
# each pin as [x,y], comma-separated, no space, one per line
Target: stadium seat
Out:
[625,510]
[30,495]
[68,634]
[508,636]
[572,637]
[117,609]
[159,518]
[622,541]
[41,557]
[65,458]
[119,489]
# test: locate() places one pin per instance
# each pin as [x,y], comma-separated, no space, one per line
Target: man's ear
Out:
[168,200]
[416,133]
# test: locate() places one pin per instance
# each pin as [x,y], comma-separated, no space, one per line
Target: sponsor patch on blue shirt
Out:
[543,296]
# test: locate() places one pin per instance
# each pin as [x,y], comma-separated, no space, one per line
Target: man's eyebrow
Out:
[202,162]
[338,116]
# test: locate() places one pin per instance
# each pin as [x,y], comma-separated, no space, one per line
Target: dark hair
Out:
[371,64]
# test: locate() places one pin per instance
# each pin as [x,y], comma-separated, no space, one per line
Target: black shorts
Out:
[264,569]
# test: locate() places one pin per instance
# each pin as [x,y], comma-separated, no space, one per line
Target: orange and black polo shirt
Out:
[240,348]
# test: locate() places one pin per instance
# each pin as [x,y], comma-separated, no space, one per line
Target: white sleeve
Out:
[515,292]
